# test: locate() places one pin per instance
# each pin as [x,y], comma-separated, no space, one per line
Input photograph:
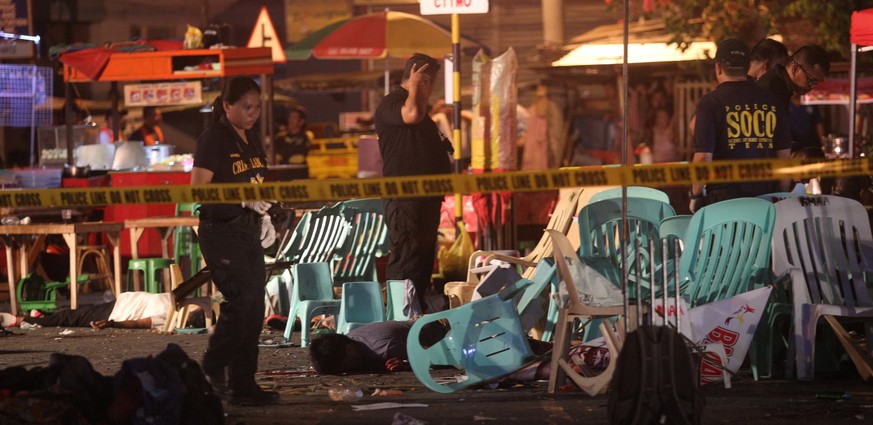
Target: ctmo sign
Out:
[445,7]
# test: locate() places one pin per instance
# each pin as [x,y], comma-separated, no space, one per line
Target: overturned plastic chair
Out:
[361,304]
[485,340]
[311,294]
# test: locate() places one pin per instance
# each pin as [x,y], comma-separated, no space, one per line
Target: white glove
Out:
[259,207]
[268,232]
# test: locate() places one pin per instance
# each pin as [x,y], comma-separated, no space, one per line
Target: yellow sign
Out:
[677,174]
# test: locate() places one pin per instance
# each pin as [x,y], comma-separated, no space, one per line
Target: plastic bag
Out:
[453,261]
[593,289]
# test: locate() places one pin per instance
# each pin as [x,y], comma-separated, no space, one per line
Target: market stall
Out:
[861,35]
[166,75]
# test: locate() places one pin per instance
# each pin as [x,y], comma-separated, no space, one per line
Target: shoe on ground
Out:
[254,397]
[28,326]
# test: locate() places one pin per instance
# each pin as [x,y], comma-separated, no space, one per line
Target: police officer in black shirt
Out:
[737,120]
[233,238]
[411,144]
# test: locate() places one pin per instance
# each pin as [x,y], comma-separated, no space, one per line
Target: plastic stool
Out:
[149,267]
[101,260]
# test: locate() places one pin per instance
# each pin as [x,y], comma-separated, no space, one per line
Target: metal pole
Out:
[456,100]
[853,97]
[68,121]
[624,132]
[33,81]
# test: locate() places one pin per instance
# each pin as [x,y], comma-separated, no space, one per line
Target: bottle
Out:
[345,392]
[646,155]
[10,220]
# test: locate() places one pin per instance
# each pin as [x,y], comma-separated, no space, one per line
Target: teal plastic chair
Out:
[632,192]
[355,259]
[600,236]
[360,304]
[150,268]
[485,340]
[311,294]
[186,249]
[45,299]
[316,236]
[727,250]
[673,229]
[395,294]
[535,299]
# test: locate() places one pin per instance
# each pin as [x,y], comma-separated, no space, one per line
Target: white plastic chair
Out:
[823,244]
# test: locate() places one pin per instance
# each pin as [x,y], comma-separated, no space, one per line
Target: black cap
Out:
[733,53]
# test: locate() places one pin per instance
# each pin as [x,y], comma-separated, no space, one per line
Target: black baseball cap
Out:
[733,53]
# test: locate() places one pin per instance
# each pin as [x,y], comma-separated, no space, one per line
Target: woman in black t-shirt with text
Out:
[232,239]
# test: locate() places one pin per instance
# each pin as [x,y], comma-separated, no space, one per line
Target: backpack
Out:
[147,391]
[655,380]
[201,406]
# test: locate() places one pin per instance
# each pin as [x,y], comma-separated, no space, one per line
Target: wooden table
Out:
[164,226]
[28,237]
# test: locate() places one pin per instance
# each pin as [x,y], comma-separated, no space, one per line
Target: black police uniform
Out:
[410,150]
[230,241]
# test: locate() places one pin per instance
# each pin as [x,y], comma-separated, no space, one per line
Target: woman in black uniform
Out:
[232,238]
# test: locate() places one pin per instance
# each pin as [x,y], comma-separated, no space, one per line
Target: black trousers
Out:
[78,318]
[412,235]
[724,193]
[233,253]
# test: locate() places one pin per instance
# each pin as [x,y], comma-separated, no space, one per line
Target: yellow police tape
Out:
[438,185]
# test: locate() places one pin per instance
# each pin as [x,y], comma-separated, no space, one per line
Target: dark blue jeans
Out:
[233,253]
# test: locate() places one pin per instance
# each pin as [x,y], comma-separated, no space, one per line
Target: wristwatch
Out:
[695,197]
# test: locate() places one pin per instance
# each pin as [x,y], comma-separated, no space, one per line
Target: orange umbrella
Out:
[374,36]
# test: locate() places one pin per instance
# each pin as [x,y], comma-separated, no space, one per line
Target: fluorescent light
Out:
[611,54]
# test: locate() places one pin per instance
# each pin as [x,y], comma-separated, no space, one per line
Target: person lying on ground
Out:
[373,348]
[131,310]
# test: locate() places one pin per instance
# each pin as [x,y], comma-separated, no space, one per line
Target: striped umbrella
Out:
[374,36]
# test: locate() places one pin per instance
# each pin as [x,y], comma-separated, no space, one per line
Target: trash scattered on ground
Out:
[380,392]
[834,395]
[66,332]
[483,418]
[383,406]
[345,392]
[28,326]
[401,419]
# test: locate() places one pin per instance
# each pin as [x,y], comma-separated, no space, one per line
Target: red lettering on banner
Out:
[710,368]
[724,336]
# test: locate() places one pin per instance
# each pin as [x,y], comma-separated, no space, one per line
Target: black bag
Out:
[655,380]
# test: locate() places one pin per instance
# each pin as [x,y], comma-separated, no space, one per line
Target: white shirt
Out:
[139,305]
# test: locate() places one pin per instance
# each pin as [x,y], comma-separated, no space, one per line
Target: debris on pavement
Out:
[383,406]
